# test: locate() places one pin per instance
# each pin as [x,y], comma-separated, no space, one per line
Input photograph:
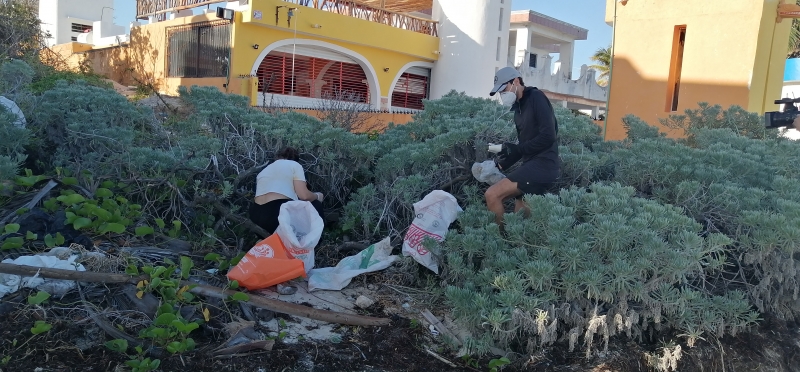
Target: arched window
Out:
[308,71]
[412,87]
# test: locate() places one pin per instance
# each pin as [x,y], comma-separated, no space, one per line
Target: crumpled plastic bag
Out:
[300,228]
[487,172]
[56,288]
[373,258]
[434,214]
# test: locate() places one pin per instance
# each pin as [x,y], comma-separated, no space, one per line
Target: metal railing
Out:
[160,8]
[361,11]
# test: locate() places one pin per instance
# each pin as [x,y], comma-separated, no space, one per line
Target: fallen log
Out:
[204,290]
[80,276]
[289,308]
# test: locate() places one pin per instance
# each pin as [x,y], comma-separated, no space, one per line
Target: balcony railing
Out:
[357,10]
[160,8]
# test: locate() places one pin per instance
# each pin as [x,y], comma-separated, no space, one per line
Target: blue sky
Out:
[589,14]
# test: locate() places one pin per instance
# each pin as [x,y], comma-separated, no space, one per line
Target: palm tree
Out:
[794,39]
[602,59]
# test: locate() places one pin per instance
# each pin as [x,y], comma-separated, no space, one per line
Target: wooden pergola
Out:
[399,6]
[145,8]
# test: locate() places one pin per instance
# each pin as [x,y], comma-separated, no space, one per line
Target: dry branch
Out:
[204,290]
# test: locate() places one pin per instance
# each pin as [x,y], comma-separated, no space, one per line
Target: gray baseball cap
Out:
[503,76]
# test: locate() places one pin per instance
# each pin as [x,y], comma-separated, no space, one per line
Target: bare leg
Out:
[496,194]
[520,204]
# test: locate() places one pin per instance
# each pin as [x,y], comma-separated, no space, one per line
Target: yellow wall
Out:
[733,55]
[143,60]
[385,47]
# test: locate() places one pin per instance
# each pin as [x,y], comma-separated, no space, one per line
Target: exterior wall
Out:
[364,41]
[58,15]
[382,50]
[469,33]
[733,55]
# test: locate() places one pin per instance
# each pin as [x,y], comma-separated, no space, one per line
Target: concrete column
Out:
[595,112]
[563,104]
[473,42]
[521,47]
[566,53]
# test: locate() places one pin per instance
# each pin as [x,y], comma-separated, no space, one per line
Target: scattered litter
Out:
[11,283]
[436,324]
[373,258]
[433,330]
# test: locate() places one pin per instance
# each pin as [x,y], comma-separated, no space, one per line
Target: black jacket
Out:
[537,129]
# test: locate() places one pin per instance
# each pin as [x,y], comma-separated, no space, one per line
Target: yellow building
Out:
[292,53]
[670,55]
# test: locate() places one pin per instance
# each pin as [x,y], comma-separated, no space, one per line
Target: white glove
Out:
[495,148]
[319,195]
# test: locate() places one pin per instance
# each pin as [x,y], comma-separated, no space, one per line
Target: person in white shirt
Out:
[282,181]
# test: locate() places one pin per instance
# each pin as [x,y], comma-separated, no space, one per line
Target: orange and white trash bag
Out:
[285,255]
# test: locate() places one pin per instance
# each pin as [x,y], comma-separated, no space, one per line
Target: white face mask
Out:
[508,98]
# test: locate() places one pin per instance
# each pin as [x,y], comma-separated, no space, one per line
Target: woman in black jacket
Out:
[537,131]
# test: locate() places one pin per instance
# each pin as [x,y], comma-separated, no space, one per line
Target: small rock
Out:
[364,302]
[371,287]
[286,289]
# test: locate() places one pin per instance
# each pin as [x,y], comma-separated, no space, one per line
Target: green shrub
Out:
[49,79]
[12,144]
[587,263]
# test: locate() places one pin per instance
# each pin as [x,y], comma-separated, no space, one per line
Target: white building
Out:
[478,37]
[86,21]
[472,39]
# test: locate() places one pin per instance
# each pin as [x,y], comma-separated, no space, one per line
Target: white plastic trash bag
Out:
[434,214]
[300,227]
[56,288]
[487,172]
[373,258]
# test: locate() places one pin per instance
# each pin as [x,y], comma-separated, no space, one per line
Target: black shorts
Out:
[535,176]
[266,215]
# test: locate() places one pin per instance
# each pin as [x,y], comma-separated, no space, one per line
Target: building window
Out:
[500,24]
[79,28]
[676,64]
[410,90]
[497,54]
[532,59]
[74,38]
[299,75]
[199,50]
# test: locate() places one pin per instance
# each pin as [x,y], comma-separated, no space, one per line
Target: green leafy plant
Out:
[40,327]
[169,329]
[498,363]
[39,298]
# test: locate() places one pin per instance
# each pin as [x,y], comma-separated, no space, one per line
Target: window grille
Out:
[199,50]
[80,28]
[313,77]
[409,91]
